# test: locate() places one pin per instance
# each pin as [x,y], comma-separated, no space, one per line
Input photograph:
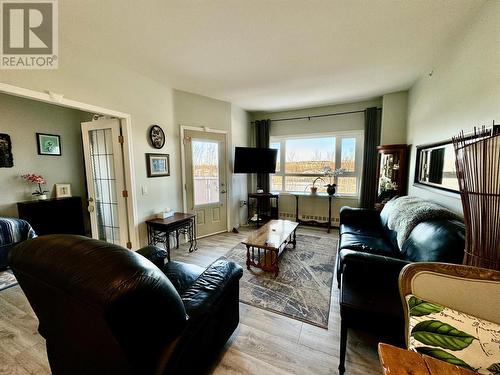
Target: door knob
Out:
[223,192]
[90,199]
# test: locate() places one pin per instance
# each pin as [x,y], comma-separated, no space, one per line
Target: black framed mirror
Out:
[435,166]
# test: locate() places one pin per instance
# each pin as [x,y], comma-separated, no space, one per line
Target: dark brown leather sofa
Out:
[106,310]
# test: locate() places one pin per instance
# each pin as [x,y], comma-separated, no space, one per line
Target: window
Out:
[302,159]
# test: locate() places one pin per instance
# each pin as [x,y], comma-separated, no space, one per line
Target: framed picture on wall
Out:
[158,165]
[48,144]
[63,190]
[6,159]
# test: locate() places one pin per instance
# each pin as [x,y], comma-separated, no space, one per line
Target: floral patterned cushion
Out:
[453,336]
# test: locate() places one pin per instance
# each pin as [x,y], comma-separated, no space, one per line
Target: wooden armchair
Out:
[449,309]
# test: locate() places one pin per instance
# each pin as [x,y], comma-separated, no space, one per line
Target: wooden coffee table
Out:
[265,245]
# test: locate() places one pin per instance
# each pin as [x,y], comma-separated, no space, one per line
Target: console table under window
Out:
[327,224]
[159,230]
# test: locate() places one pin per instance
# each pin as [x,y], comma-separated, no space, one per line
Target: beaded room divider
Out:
[478,172]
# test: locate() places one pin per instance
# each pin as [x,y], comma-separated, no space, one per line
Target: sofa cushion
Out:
[435,241]
[360,229]
[182,275]
[453,336]
[368,244]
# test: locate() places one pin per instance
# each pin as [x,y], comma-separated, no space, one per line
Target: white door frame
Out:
[229,184]
[126,122]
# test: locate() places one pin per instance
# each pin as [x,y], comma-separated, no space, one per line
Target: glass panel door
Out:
[206,186]
[205,156]
[105,181]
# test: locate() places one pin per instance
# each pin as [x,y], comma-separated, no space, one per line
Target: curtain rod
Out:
[317,116]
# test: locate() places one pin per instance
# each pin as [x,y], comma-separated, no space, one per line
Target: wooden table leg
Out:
[294,240]
[276,267]
[248,257]
[329,213]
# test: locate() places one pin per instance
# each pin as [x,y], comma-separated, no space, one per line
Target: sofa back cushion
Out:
[438,240]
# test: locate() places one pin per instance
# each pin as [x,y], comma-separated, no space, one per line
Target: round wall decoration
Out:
[156,136]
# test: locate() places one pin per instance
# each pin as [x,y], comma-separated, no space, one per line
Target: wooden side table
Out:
[159,230]
[404,362]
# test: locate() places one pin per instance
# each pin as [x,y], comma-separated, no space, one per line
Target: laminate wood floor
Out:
[264,342]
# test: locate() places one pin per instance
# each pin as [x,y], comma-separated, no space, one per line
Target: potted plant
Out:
[314,189]
[332,174]
[38,194]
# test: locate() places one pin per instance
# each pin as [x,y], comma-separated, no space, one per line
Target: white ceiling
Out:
[269,55]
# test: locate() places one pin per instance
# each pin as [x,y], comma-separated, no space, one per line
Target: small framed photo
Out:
[63,190]
[48,144]
[158,165]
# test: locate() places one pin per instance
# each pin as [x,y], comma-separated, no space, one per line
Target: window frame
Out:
[339,135]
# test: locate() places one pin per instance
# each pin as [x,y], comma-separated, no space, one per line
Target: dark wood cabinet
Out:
[392,172]
[262,207]
[54,216]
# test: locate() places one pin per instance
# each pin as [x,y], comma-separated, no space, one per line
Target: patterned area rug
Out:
[7,279]
[303,287]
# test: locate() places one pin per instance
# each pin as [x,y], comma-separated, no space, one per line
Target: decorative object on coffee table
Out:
[478,171]
[38,194]
[303,286]
[265,245]
[6,158]
[48,144]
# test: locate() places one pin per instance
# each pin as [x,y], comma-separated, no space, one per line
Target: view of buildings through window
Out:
[302,160]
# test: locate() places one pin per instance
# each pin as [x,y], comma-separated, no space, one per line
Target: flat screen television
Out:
[255,160]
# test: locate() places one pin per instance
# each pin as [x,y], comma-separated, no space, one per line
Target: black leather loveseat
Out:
[369,261]
[106,310]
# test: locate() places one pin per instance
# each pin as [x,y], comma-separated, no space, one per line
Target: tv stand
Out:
[262,207]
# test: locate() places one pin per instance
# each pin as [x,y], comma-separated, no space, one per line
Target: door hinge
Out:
[125,194]
[120,139]
[129,245]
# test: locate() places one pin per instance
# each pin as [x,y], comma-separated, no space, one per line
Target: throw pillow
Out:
[453,336]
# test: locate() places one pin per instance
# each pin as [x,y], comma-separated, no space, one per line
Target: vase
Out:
[330,189]
[39,197]
[314,189]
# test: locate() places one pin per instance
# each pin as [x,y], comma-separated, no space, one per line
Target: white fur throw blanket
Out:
[405,213]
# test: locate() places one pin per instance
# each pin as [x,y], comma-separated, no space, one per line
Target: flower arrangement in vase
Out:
[332,174]
[39,194]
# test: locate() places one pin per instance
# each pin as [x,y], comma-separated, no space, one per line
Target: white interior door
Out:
[206,185]
[107,205]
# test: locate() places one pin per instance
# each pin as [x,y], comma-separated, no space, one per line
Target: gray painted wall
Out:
[21,119]
[463,92]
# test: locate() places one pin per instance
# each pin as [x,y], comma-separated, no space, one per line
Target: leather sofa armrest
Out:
[154,254]
[359,216]
[204,293]
[370,283]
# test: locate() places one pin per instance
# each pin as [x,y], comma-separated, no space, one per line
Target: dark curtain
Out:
[262,128]
[370,158]
[436,166]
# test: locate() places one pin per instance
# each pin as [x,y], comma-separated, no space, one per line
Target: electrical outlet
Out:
[243,203]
